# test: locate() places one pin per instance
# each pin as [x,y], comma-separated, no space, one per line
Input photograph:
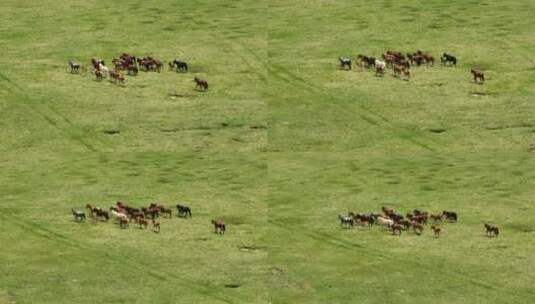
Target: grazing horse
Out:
[446,58]
[200,83]
[479,77]
[346,221]
[78,215]
[345,63]
[492,230]
[75,67]
[183,211]
[219,226]
[436,230]
[179,65]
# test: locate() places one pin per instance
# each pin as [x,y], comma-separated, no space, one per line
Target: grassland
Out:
[279,146]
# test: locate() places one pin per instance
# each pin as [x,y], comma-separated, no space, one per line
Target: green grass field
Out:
[280,144]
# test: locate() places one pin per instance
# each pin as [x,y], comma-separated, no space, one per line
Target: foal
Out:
[219,226]
[436,230]
[155,226]
[75,67]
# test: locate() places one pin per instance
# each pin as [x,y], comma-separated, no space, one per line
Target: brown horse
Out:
[219,226]
[166,211]
[155,226]
[97,212]
[436,217]
[479,77]
[99,75]
[407,72]
[436,230]
[116,77]
[142,222]
[200,83]
[396,229]
[397,69]
[492,230]
[417,228]
[123,222]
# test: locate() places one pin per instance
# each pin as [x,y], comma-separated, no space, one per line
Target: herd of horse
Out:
[143,216]
[416,220]
[131,65]
[401,63]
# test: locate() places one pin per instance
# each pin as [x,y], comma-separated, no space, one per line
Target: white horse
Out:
[119,215]
[383,221]
[380,64]
[103,69]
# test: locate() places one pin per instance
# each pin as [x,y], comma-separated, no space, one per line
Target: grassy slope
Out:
[55,153]
[350,141]
[337,141]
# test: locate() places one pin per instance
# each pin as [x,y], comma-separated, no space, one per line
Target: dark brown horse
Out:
[492,230]
[97,212]
[219,226]
[479,77]
[200,83]
[183,211]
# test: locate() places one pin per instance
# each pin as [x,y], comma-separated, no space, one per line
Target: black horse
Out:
[446,58]
[450,215]
[183,211]
[179,65]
